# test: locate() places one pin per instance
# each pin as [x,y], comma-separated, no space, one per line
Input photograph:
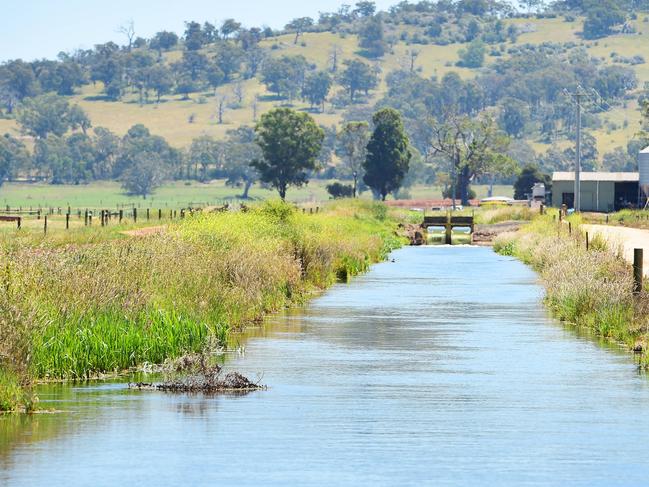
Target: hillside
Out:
[528,65]
[170,118]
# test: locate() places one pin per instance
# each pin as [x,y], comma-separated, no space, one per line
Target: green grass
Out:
[93,301]
[180,194]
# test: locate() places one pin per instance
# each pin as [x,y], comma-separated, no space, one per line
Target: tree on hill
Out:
[194,37]
[229,27]
[601,17]
[514,115]
[228,58]
[18,76]
[285,75]
[290,142]
[316,88]
[372,38]
[50,114]
[299,26]
[161,80]
[388,156]
[163,41]
[473,56]
[358,76]
[365,8]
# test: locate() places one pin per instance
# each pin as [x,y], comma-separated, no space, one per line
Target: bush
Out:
[338,190]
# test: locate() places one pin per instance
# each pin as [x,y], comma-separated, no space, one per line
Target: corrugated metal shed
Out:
[615,177]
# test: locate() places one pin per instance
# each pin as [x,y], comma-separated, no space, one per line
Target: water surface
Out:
[441,368]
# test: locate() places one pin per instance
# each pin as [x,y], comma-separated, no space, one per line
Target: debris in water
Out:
[208,380]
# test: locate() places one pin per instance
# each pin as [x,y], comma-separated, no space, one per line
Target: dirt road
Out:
[627,238]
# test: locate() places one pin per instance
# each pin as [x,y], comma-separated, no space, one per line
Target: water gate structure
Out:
[449,223]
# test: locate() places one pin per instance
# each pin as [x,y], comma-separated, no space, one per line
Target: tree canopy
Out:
[290,142]
[388,156]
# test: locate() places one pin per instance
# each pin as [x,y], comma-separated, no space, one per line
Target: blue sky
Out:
[41,28]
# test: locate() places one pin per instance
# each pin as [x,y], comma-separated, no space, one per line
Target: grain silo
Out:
[643,167]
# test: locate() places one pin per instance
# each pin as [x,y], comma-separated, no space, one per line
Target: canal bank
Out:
[440,368]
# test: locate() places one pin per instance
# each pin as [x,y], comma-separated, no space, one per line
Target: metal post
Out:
[638,258]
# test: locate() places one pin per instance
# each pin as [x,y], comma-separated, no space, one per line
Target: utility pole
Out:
[578,97]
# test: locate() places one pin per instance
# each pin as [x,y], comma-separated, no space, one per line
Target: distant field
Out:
[178,194]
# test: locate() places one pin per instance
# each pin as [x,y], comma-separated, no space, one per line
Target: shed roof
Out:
[616,177]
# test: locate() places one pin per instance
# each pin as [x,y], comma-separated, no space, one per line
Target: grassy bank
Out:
[83,306]
[591,288]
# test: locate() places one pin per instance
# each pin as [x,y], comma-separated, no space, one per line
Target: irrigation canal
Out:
[441,368]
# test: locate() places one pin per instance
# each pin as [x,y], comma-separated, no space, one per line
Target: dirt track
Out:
[627,238]
[145,232]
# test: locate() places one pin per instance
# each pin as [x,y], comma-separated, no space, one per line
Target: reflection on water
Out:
[439,369]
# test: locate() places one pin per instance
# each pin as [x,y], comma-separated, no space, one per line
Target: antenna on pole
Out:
[578,97]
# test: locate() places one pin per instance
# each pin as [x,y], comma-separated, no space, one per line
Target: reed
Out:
[87,305]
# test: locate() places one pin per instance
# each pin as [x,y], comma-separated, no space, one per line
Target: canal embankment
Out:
[588,283]
[90,305]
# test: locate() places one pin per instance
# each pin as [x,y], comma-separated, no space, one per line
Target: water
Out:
[441,368]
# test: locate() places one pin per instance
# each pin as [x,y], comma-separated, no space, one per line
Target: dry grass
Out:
[591,289]
[75,309]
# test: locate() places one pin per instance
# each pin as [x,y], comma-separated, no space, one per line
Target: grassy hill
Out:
[181,120]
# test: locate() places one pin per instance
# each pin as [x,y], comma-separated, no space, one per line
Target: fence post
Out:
[85,218]
[134,215]
[19,221]
[45,226]
[569,228]
[121,215]
[159,213]
[587,242]
[147,214]
[67,221]
[638,257]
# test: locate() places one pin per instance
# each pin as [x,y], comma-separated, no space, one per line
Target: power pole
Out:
[578,157]
[578,96]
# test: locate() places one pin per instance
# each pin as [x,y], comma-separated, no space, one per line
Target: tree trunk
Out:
[464,180]
[246,189]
